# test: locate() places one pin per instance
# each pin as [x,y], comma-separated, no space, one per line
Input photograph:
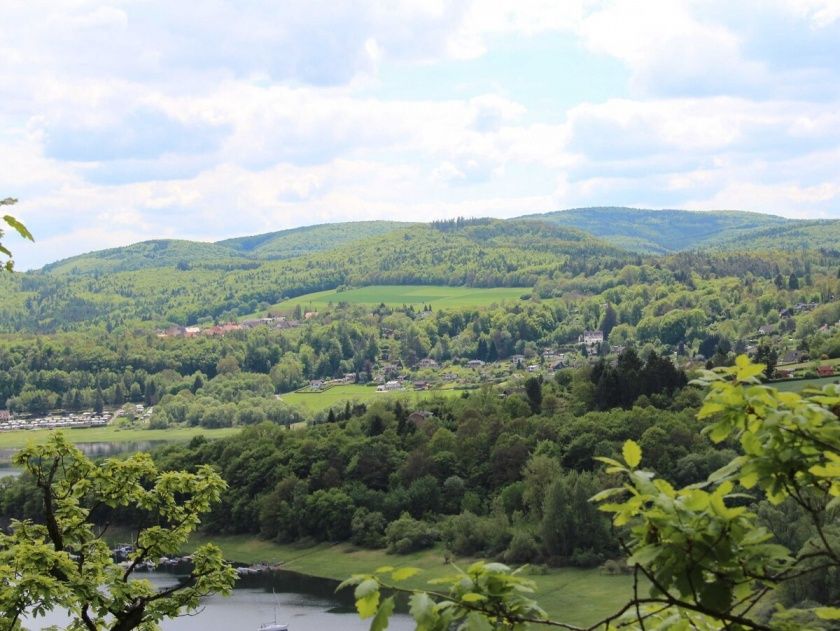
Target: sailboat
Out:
[274,626]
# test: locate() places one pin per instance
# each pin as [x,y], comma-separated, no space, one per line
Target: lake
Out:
[93,449]
[303,602]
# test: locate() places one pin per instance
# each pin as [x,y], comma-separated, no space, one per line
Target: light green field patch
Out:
[336,397]
[438,296]
[20,438]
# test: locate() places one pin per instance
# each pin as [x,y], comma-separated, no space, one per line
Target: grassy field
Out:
[572,595]
[337,395]
[801,384]
[20,438]
[438,296]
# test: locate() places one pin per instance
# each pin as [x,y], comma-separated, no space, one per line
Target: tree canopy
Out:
[700,555]
[63,562]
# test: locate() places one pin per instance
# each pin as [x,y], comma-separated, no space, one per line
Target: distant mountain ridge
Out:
[234,252]
[286,244]
[663,231]
[633,230]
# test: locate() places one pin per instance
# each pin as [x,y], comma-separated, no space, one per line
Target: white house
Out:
[591,338]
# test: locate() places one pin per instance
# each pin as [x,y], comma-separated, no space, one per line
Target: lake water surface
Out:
[94,450]
[303,602]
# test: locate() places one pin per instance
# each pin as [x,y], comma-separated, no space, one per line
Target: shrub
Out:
[407,534]
[368,528]
[523,548]
[468,534]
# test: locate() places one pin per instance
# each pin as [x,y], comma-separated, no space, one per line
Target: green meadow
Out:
[110,434]
[438,296]
[336,396]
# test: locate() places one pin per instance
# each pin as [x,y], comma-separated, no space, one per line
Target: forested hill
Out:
[654,232]
[146,254]
[287,244]
[480,253]
[666,231]
[237,252]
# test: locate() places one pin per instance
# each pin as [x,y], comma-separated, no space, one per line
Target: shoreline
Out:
[572,595]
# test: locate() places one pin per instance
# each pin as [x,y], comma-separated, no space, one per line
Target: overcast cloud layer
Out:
[128,120]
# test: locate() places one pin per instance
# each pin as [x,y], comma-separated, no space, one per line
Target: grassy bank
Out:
[572,595]
[109,434]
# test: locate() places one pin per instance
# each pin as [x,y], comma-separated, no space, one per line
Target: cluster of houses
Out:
[275,322]
[73,420]
[789,373]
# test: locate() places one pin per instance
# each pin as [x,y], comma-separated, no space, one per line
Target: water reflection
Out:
[92,449]
[303,602]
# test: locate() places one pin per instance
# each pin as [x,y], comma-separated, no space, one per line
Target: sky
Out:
[128,120]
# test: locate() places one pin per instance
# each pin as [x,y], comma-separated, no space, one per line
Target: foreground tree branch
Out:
[64,563]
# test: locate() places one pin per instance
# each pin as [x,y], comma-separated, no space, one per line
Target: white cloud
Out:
[130,120]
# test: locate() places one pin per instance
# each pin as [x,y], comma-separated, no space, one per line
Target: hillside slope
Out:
[144,255]
[796,235]
[662,231]
[482,253]
[287,244]
[226,254]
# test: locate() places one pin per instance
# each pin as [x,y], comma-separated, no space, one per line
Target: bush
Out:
[368,528]
[586,558]
[523,548]
[468,534]
[407,534]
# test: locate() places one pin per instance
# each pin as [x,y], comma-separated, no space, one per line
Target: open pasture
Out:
[336,396]
[438,296]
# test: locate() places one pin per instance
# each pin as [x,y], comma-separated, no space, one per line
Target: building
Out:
[5,416]
[794,357]
[591,338]
[389,386]
[427,362]
[475,363]
[534,368]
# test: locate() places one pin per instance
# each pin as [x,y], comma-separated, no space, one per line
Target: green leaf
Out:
[828,613]
[17,225]
[421,608]
[476,622]
[404,573]
[366,587]
[380,620]
[368,605]
[632,454]
[472,597]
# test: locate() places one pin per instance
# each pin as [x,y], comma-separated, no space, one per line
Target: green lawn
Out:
[20,438]
[572,595]
[396,295]
[800,384]
[336,396]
